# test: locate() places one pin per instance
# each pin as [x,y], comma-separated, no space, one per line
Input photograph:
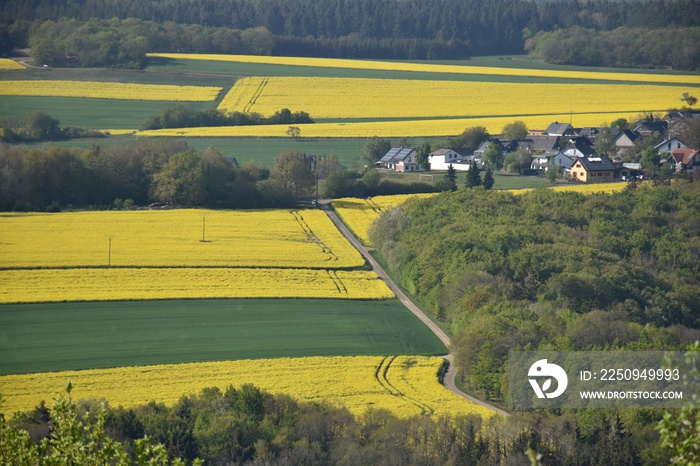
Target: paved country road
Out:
[449,379]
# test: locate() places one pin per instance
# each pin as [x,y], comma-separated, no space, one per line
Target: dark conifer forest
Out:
[387,29]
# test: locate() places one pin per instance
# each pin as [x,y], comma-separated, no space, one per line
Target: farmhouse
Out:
[593,169]
[401,159]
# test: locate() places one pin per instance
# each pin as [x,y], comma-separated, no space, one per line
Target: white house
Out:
[442,158]
[669,145]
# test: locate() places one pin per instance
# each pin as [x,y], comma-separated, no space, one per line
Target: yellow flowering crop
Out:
[359,214]
[115,284]
[387,129]
[7,64]
[608,188]
[109,90]
[431,68]
[352,98]
[405,385]
[264,238]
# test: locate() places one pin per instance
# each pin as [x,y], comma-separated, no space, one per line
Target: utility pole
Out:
[204,228]
[109,251]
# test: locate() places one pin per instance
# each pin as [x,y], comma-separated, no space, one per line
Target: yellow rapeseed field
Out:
[353,98]
[264,238]
[116,284]
[405,385]
[109,90]
[389,129]
[359,214]
[431,68]
[7,64]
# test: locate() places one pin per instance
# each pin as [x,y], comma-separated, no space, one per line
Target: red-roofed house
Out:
[684,159]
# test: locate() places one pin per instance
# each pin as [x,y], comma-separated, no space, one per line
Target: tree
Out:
[650,159]
[620,123]
[374,150]
[472,137]
[604,142]
[293,132]
[680,431]
[518,162]
[515,130]
[77,438]
[493,158]
[473,178]
[42,127]
[293,174]
[181,180]
[422,154]
[451,178]
[327,165]
[340,183]
[689,99]
[488,179]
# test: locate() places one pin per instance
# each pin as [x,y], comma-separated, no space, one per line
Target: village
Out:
[620,152]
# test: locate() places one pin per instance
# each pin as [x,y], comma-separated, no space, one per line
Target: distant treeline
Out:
[418,29]
[182,116]
[678,48]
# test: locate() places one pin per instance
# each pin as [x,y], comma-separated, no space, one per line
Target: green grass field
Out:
[63,336]
[88,113]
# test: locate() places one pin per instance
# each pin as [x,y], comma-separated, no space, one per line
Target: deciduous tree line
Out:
[678,48]
[130,175]
[243,425]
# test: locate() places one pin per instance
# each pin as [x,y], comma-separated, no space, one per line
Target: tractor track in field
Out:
[449,378]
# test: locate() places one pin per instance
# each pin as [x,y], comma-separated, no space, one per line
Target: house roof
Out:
[656,126]
[397,154]
[684,156]
[583,145]
[558,128]
[484,145]
[460,151]
[596,163]
[631,135]
[545,143]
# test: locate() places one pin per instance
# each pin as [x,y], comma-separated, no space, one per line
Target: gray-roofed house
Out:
[402,159]
[579,147]
[593,169]
[559,129]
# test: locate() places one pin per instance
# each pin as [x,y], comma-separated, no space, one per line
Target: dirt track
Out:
[449,379]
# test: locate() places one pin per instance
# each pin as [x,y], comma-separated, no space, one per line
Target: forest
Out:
[121,31]
[550,270]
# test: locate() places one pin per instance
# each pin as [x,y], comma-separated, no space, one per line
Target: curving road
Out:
[449,379]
